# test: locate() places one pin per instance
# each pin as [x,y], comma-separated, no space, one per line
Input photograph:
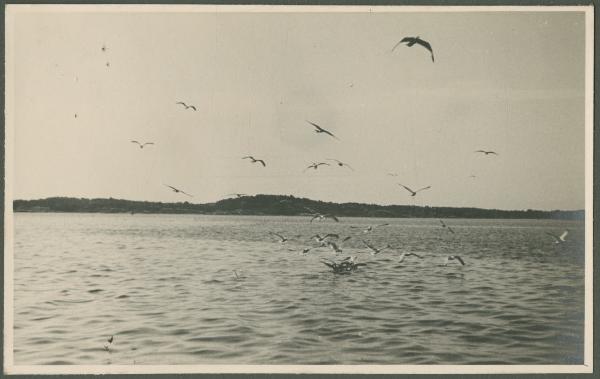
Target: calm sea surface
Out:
[164,286]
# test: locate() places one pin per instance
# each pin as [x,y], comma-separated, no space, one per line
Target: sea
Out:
[199,289]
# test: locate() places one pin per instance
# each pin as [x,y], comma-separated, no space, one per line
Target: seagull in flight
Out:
[453,257]
[413,193]
[340,163]
[321,130]
[486,152]
[316,165]
[141,145]
[404,255]
[446,226]
[178,190]
[254,160]
[282,238]
[375,251]
[410,41]
[238,195]
[318,238]
[186,106]
[559,239]
[324,216]
[370,227]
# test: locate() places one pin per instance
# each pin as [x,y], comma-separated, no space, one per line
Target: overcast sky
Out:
[504,81]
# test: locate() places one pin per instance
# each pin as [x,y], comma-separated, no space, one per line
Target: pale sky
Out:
[512,82]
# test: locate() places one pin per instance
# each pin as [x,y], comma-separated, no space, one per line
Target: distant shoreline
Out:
[279,205]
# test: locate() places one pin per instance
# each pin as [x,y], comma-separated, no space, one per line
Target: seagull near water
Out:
[141,145]
[452,258]
[374,250]
[237,195]
[254,160]
[186,106]
[370,227]
[176,190]
[446,226]
[413,193]
[282,238]
[318,238]
[319,129]
[410,41]
[404,255]
[559,239]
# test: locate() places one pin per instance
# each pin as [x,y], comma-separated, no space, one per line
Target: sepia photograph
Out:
[298,189]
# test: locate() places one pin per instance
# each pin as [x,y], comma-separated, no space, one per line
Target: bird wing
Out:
[492,152]
[193,107]
[381,225]
[261,161]
[316,126]
[329,264]
[557,238]
[323,163]
[347,165]
[136,142]
[173,188]
[331,159]
[332,235]
[333,217]
[148,143]
[422,189]
[426,45]
[451,230]
[408,189]
[480,151]
[416,255]
[405,39]
[185,193]
[346,239]
[332,245]
[562,236]
[182,103]
[328,132]
[369,246]
[443,225]
[248,157]
[459,259]
[402,256]
[313,217]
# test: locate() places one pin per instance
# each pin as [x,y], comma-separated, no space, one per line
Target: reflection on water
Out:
[164,286]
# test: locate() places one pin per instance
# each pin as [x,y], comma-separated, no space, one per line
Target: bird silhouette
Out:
[186,106]
[374,250]
[413,193]
[404,255]
[141,145]
[454,257]
[178,190]
[446,226]
[559,239]
[316,165]
[486,152]
[410,41]
[319,129]
[282,239]
[254,160]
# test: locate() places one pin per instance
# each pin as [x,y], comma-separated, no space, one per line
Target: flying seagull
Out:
[282,238]
[375,251]
[559,239]
[321,130]
[486,152]
[238,195]
[340,163]
[404,255]
[178,190]
[453,257]
[410,41]
[186,106]
[370,227]
[446,226]
[254,160]
[142,144]
[413,193]
[318,238]
[324,216]
[316,165]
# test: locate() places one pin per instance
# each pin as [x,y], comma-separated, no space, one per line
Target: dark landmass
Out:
[278,205]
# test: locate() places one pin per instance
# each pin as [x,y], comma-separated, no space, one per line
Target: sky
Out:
[511,82]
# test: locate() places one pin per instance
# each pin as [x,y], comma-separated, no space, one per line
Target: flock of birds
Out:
[348,264]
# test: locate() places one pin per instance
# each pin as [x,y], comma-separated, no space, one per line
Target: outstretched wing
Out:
[346,239]
[332,235]
[278,235]
[148,143]
[422,189]
[405,39]
[173,188]
[369,246]
[262,162]
[182,103]
[416,255]
[562,236]
[323,163]
[557,238]
[408,189]
[450,230]
[248,157]
[133,141]
[193,107]
[316,126]
[185,193]
[381,225]
[426,45]
[459,259]
[332,217]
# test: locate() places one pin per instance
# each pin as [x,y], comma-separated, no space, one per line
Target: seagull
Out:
[415,40]
[318,238]
[486,152]
[346,239]
[445,226]
[370,227]
[316,165]
[254,160]
[110,339]
[375,251]
[324,216]
[559,239]
[283,239]
[453,257]
[103,48]
[404,255]
[178,190]
[340,163]
[142,144]
[321,130]
[306,250]
[238,195]
[413,193]
[186,106]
